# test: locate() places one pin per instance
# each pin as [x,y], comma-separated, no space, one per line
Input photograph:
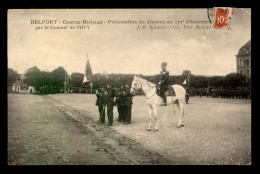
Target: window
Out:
[247,73]
[241,71]
[240,62]
[247,61]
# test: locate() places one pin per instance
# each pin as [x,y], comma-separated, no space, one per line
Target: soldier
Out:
[222,93]
[244,93]
[187,96]
[117,93]
[232,93]
[248,93]
[128,105]
[225,93]
[101,104]
[110,104]
[164,76]
[229,92]
[120,104]
[237,93]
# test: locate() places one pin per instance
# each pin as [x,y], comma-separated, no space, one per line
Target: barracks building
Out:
[243,59]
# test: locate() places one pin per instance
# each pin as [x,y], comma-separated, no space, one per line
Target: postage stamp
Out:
[220,17]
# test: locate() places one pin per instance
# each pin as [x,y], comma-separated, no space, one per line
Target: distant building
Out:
[243,59]
[31,90]
[19,85]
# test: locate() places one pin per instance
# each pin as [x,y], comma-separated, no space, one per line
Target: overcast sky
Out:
[121,48]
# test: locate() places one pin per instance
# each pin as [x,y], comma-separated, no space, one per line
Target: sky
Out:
[121,48]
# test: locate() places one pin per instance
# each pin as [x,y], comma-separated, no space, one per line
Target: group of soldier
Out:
[238,93]
[108,97]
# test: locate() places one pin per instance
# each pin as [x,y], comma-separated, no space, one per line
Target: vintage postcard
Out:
[129,86]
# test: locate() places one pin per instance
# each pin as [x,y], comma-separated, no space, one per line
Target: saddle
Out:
[169,91]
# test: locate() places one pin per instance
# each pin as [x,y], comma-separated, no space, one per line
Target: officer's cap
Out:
[164,63]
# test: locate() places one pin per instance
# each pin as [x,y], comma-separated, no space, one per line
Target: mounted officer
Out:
[163,83]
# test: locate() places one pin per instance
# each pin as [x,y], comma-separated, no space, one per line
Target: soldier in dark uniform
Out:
[237,93]
[229,92]
[187,96]
[128,105]
[101,103]
[164,76]
[117,93]
[120,104]
[248,91]
[110,104]
[234,93]
[200,92]
[225,93]
[222,92]
[244,93]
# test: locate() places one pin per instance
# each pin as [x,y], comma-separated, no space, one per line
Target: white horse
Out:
[153,100]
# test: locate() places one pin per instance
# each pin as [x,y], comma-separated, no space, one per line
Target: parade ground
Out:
[62,129]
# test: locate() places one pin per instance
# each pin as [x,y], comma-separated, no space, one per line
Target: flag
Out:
[88,77]
[188,76]
[184,82]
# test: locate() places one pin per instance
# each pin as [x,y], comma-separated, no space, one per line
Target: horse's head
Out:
[135,85]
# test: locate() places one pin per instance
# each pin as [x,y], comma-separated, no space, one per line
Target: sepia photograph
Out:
[129,86]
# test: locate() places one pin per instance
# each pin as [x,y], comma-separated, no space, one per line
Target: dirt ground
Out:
[217,131]
[39,134]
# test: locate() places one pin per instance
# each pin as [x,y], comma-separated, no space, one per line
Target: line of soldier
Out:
[238,93]
[110,97]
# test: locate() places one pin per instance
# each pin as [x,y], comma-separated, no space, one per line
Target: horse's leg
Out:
[155,112]
[181,109]
[173,103]
[150,117]
[182,113]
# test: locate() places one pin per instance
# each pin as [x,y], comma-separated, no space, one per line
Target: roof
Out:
[245,49]
[21,76]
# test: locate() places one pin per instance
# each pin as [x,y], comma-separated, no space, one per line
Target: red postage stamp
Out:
[223,16]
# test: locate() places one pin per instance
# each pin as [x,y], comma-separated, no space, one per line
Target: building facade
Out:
[19,85]
[243,59]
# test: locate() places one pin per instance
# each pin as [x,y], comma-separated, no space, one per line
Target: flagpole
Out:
[65,81]
[91,84]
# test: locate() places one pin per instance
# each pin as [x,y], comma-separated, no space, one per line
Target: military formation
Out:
[238,93]
[108,98]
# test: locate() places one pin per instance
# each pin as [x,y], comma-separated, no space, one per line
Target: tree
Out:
[58,77]
[12,76]
[33,77]
[234,80]
[45,78]
[216,81]
[76,79]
